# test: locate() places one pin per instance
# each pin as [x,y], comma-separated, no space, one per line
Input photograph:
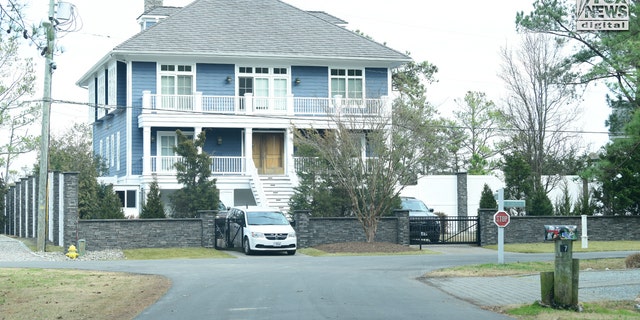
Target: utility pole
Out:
[44,143]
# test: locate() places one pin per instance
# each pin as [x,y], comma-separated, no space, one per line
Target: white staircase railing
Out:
[256,184]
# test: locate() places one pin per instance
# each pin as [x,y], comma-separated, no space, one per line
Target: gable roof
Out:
[254,28]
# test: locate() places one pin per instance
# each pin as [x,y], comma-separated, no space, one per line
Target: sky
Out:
[462,38]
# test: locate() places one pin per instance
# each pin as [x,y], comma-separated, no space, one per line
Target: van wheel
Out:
[291,252]
[246,247]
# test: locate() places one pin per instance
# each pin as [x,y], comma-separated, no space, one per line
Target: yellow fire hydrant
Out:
[72,252]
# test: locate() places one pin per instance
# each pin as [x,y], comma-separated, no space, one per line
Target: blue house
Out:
[247,72]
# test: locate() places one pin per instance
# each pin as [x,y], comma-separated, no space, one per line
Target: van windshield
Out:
[266,218]
[414,205]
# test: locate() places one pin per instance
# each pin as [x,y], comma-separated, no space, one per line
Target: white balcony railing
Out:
[219,165]
[250,104]
[308,164]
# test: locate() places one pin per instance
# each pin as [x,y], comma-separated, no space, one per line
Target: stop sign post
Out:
[501,219]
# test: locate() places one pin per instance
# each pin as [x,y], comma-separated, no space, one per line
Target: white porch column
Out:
[197,104]
[288,149]
[146,151]
[248,103]
[146,101]
[248,146]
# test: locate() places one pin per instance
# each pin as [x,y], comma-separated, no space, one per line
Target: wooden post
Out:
[563,276]
[575,279]
[546,288]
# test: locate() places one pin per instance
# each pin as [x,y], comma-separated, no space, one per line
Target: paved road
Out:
[301,287]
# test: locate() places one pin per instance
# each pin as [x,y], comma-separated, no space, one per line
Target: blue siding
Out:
[143,78]
[121,84]
[103,130]
[211,79]
[376,82]
[231,142]
[314,82]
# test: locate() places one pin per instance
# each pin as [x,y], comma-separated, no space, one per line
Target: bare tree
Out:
[478,118]
[369,158]
[17,114]
[540,107]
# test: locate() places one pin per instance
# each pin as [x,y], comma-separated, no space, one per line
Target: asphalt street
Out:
[302,287]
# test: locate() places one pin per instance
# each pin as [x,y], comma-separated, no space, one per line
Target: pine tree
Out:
[153,208]
[199,191]
[110,205]
[487,200]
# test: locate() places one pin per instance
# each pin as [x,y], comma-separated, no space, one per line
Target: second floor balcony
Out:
[250,104]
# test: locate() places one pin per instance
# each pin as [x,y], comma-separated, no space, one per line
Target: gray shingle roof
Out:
[254,28]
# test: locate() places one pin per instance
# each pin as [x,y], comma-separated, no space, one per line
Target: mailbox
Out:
[565,232]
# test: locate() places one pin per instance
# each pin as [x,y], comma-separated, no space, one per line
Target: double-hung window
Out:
[348,85]
[176,87]
[268,86]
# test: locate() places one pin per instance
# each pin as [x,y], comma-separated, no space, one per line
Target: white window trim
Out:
[347,77]
[107,152]
[112,150]
[175,73]
[101,151]
[101,97]
[270,76]
[112,85]
[118,151]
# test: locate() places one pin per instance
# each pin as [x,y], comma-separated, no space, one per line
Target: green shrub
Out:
[487,201]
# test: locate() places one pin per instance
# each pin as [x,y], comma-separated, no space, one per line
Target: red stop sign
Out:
[501,219]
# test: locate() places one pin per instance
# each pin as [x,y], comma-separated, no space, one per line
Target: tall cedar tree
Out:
[198,191]
[619,188]
[153,207]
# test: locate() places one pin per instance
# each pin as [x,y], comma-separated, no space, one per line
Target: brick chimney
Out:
[151,4]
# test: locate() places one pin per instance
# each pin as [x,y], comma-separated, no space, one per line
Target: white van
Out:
[261,229]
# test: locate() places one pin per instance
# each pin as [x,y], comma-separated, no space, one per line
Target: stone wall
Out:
[140,233]
[312,231]
[21,210]
[529,229]
[64,228]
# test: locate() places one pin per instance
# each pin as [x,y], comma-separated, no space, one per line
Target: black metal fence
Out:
[444,230]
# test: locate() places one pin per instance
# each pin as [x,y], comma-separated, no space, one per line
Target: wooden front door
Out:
[268,152]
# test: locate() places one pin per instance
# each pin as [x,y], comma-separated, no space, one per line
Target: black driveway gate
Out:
[444,230]
[224,235]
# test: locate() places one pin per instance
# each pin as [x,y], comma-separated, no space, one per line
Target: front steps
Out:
[278,190]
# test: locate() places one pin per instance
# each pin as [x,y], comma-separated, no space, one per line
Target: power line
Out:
[292,118]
